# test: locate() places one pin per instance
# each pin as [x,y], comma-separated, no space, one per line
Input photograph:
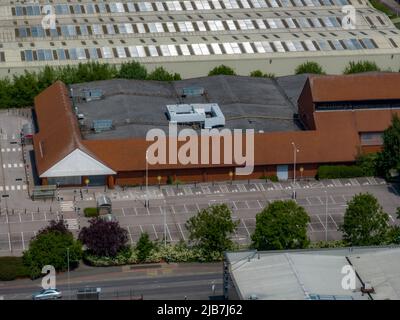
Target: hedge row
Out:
[171,253]
[335,172]
[12,268]
[91,212]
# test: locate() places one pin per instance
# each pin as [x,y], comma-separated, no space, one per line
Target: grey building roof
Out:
[136,106]
[304,274]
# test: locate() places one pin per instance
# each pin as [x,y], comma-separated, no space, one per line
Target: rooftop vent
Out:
[102,125]
[192,92]
[92,94]
[209,115]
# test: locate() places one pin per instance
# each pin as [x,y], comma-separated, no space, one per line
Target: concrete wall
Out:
[282,65]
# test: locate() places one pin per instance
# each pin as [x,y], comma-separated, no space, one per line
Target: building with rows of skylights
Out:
[191,37]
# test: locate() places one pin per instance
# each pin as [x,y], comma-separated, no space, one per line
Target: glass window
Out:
[107,52]
[216,48]
[185,50]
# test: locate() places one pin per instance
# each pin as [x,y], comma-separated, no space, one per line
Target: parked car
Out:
[47,294]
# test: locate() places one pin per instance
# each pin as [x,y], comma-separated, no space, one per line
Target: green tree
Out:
[104,238]
[256,73]
[309,67]
[25,88]
[389,158]
[160,74]
[222,69]
[50,248]
[144,247]
[211,228]
[132,70]
[368,163]
[281,225]
[260,74]
[6,98]
[360,66]
[365,223]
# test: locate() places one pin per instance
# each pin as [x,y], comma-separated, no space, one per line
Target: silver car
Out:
[47,294]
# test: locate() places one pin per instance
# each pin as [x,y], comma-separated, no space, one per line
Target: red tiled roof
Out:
[355,87]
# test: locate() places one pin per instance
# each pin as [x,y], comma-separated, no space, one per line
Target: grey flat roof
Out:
[297,274]
[136,106]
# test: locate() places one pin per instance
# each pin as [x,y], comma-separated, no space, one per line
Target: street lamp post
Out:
[326,216]
[147,182]
[231,176]
[295,150]
[165,225]
[69,287]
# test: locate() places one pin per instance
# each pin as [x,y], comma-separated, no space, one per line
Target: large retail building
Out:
[192,37]
[96,131]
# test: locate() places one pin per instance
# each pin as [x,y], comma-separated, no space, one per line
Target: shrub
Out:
[132,70]
[222,69]
[272,178]
[50,248]
[360,66]
[339,171]
[12,268]
[309,67]
[160,74]
[55,226]
[91,212]
[170,180]
[327,244]
[368,163]
[123,257]
[104,238]
[260,74]
[144,246]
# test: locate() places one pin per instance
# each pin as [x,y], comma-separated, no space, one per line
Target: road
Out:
[155,282]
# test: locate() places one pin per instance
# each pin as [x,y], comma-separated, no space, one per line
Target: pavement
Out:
[152,282]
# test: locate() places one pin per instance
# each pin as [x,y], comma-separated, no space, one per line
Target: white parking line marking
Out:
[155,232]
[259,203]
[18,187]
[248,207]
[23,241]
[141,228]
[186,210]
[391,218]
[12,188]
[123,212]
[130,234]
[337,227]
[180,229]
[21,165]
[247,230]
[325,227]
[312,229]
[136,213]
[168,232]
